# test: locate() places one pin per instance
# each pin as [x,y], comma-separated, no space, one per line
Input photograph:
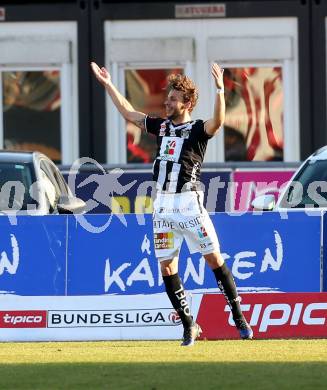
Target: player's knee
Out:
[169,267]
[214,260]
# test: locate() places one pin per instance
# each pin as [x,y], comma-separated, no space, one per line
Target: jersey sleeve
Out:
[202,133]
[152,125]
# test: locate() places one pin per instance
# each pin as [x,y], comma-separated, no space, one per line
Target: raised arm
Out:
[122,104]
[213,125]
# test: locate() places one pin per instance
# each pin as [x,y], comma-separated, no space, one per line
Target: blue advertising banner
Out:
[273,251]
[33,255]
[118,260]
[114,254]
[265,253]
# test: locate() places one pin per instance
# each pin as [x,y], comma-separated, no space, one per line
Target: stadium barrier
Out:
[88,318]
[114,254]
[102,268]
[150,317]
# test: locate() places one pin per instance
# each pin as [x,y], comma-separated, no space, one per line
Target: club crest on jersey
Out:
[185,133]
[170,147]
[202,233]
[162,131]
[172,132]
[164,240]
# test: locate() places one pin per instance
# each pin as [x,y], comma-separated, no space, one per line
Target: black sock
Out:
[227,286]
[177,296]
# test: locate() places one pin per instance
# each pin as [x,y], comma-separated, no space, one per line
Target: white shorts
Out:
[179,216]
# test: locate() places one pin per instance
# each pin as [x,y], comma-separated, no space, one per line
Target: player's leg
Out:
[175,290]
[203,238]
[227,286]
[177,296]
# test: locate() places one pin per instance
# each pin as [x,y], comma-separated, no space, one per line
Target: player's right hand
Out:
[101,74]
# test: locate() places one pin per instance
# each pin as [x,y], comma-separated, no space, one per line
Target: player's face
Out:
[174,104]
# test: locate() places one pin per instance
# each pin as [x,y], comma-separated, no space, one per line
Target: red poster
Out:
[279,315]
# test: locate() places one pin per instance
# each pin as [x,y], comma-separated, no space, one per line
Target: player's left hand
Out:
[218,74]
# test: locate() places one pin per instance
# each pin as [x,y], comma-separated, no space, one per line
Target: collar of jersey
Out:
[181,126]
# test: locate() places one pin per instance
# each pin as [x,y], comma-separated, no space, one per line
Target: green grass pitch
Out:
[154,365]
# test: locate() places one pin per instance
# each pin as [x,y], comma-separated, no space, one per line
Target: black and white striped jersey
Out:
[180,153]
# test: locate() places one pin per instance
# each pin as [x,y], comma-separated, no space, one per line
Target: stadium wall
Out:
[144,317]
[89,17]
[95,277]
